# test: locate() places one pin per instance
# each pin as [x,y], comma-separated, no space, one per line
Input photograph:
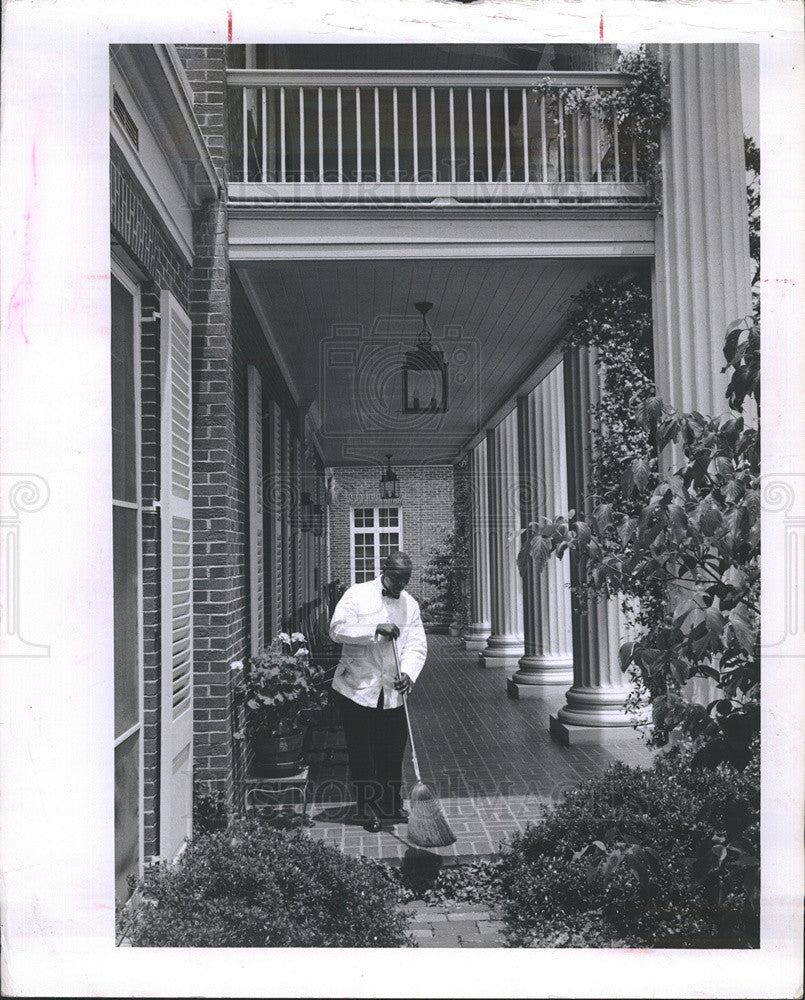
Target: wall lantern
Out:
[388,482]
[424,374]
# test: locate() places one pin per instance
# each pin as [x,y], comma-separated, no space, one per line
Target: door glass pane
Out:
[127,821]
[127,652]
[124,438]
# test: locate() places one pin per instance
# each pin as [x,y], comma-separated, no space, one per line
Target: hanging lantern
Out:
[424,373]
[388,482]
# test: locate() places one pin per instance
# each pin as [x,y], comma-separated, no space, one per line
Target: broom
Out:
[427,826]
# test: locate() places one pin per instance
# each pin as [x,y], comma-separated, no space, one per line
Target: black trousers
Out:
[375,739]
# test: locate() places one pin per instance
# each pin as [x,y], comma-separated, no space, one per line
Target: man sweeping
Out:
[369,688]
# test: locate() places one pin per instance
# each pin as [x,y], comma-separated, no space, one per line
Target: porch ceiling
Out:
[341,329]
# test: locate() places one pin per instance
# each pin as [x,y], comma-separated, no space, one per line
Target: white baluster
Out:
[358,133]
[598,152]
[282,135]
[415,134]
[377,136]
[616,146]
[525,138]
[245,136]
[506,136]
[470,134]
[321,138]
[340,137]
[561,136]
[452,139]
[396,136]
[301,135]
[543,138]
[433,134]
[488,138]
[634,160]
[263,171]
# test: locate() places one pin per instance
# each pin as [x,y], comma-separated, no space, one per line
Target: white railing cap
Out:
[419,78]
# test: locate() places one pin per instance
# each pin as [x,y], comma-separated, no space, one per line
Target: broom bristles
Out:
[427,826]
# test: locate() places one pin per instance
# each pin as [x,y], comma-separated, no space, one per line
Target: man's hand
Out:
[389,630]
[404,685]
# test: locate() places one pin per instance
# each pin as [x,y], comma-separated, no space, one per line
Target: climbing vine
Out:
[641,108]
[613,315]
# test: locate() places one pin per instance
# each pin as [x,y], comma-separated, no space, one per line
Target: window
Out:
[376,531]
[127,565]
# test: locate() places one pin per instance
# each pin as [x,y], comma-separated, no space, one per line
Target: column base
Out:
[538,676]
[575,735]
[502,651]
[475,637]
[519,691]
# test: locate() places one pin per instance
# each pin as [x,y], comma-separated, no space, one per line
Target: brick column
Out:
[595,710]
[220,594]
[504,647]
[479,627]
[548,659]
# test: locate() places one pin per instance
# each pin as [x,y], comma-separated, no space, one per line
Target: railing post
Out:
[470,135]
[506,136]
[452,139]
[302,177]
[321,138]
[377,136]
[488,139]
[358,139]
[434,168]
[415,136]
[526,170]
[340,137]
[396,121]
[282,135]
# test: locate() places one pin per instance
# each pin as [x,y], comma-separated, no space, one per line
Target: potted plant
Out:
[280,686]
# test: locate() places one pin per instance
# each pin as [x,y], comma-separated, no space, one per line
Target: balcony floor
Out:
[490,759]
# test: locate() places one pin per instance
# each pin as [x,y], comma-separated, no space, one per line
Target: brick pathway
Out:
[490,759]
[460,925]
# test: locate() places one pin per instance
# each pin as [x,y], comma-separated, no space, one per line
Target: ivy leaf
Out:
[640,473]
[714,621]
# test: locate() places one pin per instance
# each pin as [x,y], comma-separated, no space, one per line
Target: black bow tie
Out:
[388,593]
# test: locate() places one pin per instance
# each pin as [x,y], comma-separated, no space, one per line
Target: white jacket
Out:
[367,661]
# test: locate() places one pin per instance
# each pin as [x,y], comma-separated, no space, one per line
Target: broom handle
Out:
[407,716]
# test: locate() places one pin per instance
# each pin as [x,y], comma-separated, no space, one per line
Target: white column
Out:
[701,274]
[548,659]
[504,646]
[595,708]
[478,629]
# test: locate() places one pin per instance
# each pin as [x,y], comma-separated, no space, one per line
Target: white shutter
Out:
[176,742]
[256,567]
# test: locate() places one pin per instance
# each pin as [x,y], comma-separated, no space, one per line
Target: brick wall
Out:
[426,506]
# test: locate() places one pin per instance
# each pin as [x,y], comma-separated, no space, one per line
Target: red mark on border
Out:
[600,29]
[229,25]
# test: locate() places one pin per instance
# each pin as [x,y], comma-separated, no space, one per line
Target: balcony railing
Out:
[403,136]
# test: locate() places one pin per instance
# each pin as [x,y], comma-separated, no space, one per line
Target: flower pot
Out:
[277,756]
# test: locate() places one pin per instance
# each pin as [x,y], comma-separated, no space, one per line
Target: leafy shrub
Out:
[446,571]
[665,857]
[257,887]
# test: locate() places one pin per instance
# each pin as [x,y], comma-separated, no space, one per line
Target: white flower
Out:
[297,637]
[284,637]
[236,665]
[300,652]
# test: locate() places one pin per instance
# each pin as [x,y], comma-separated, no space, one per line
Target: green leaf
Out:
[714,621]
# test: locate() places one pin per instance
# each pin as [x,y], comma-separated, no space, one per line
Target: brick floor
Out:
[455,926]
[489,758]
